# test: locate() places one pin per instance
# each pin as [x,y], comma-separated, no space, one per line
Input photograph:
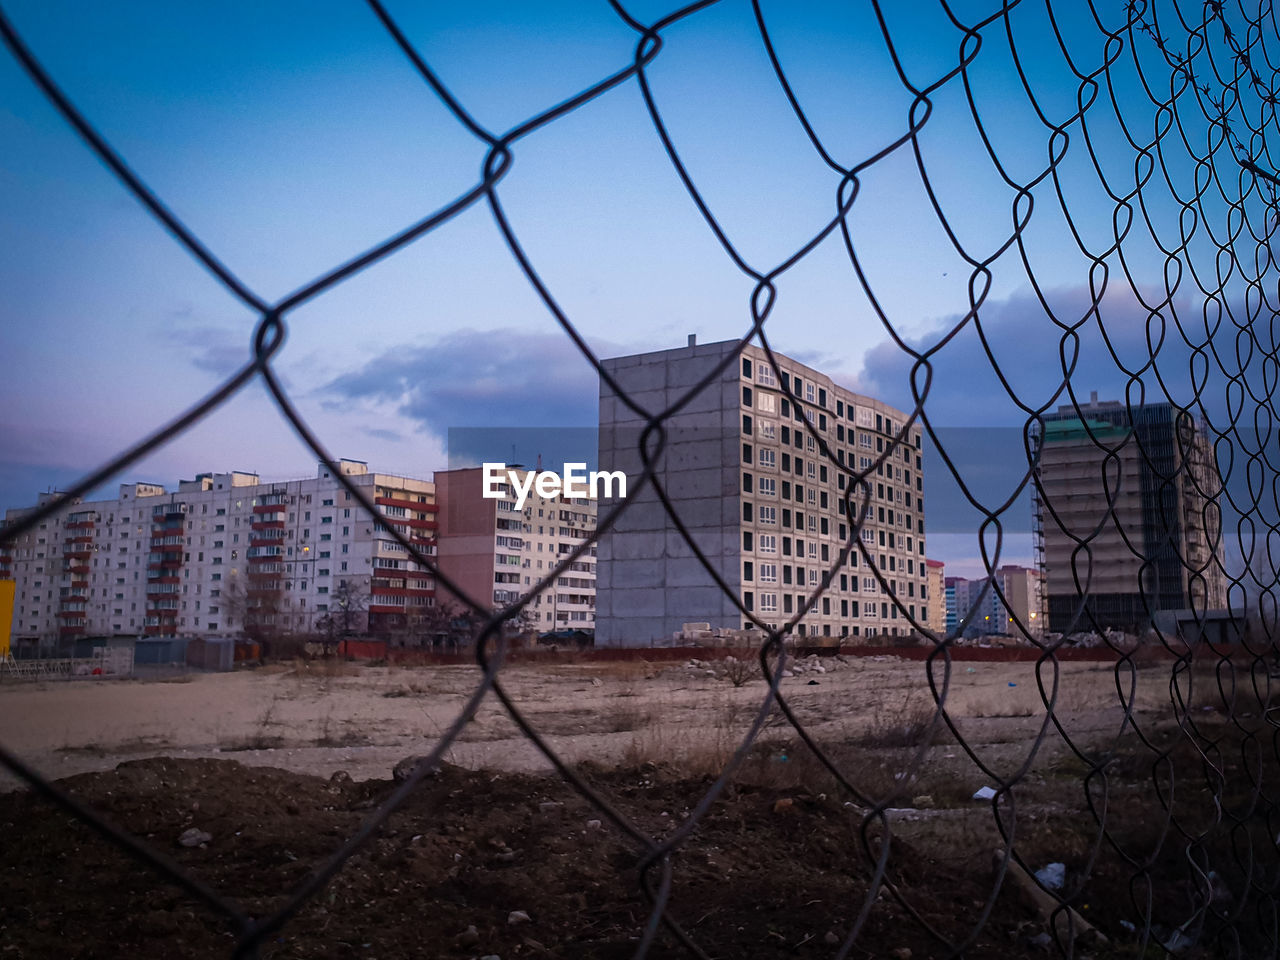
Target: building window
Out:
[768,603]
[765,377]
[768,458]
[768,514]
[768,542]
[767,403]
[768,573]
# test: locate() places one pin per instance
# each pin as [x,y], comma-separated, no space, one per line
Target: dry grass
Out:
[901,718]
[622,670]
[702,751]
[413,688]
[993,708]
[326,667]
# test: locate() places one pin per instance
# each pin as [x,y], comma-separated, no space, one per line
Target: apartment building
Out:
[762,497]
[498,550]
[935,611]
[222,552]
[1023,591]
[972,609]
[1137,488]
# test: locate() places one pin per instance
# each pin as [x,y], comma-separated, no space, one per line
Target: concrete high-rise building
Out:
[1023,603]
[762,497]
[497,551]
[1139,489]
[970,611]
[1013,598]
[955,602]
[222,552]
[935,611]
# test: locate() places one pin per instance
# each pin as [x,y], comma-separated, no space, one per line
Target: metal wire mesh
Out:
[1208,75]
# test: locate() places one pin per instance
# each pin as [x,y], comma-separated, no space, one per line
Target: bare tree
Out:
[261,609]
[449,626]
[347,605]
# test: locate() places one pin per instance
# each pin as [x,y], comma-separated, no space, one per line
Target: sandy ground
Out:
[318,720]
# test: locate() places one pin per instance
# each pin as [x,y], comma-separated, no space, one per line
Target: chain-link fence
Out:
[1186,91]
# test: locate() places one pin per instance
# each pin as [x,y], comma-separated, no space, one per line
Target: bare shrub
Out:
[904,721]
[739,672]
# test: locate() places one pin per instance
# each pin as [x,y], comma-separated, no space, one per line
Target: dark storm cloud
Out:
[479,378]
[1027,348]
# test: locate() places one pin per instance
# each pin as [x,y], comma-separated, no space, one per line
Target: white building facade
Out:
[220,550]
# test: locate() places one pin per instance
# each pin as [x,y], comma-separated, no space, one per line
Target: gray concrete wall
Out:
[649,582]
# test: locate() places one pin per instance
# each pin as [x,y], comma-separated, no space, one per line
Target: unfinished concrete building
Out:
[1126,518]
[762,499]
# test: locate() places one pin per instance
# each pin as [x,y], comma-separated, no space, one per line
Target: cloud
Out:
[478,378]
[980,425]
[215,350]
[22,483]
[1024,346]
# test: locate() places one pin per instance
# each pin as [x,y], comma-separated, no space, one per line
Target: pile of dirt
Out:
[475,864]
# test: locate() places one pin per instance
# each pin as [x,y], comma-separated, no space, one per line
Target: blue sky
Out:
[291,136]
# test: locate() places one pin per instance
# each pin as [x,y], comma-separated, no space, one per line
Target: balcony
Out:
[381,591]
[270,508]
[406,504]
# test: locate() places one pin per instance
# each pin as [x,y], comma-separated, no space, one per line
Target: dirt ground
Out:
[278,764]
[318,718]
